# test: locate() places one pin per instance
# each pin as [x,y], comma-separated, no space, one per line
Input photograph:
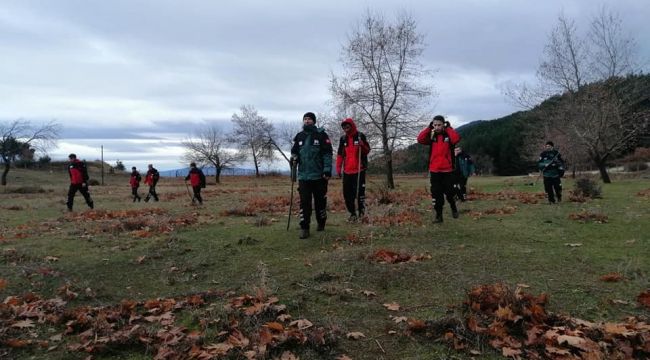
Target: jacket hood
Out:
[353,126]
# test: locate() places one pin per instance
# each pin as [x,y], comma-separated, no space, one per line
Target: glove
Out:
[431,125]
[327,175]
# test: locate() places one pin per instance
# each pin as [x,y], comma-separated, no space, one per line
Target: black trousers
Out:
[197,193]
[350,192]
[442,186]
[553,188]
[134,192]
[83,190]
[316,189]
[152,193]
[460,188]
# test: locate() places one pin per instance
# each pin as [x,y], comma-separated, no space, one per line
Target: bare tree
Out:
[280,137]
[209,146]
[20,137]
[595,103]
[384,80]
[251,132]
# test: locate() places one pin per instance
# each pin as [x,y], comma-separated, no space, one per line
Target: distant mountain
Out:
[211,171]
[208,171]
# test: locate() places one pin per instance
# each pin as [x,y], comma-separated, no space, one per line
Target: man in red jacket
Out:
[442,138]
[151,179]
[352,162]
[197,180]
[78,181]
[135,183]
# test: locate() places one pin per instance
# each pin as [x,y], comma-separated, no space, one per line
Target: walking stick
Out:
[356,196]
[188,192]
[293,180]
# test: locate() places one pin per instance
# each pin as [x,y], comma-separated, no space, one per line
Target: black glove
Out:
[327,174]
[431,125]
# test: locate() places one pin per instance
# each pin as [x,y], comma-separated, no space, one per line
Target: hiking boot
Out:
[320,227]
[454,214]
[91,205]
[304,233]
[146,199]
[438,219]
[353,218]
[559,198]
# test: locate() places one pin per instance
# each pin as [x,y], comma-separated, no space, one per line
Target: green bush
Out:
[587,188]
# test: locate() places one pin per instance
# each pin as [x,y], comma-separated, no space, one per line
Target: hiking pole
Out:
[356,196]
[293,180]
[188,192]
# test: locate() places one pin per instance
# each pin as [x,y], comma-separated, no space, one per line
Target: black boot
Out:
[438,218]
[304,233]
[320,227]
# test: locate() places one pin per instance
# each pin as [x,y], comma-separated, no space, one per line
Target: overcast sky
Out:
[139,76]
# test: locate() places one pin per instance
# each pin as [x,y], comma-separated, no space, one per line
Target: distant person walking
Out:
[197,181]
[441,137]
[151,179]
[463,168]
[78,181]
[135,183]
[351,164]
[312,150]
[551,166]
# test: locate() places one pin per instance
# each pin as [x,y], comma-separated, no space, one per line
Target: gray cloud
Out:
[138,70]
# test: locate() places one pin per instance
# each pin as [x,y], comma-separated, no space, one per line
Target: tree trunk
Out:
[217,174]
[388,160]
[5,172]
[603,172]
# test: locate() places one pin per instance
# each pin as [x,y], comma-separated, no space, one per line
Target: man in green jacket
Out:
[463,168]
[312,152]
[551,165]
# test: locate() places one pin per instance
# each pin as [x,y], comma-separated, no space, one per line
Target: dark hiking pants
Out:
[553,188]
[83,190]
[442,186]
[316,189]
[350,192]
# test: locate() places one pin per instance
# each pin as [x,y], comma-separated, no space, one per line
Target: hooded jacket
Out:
[135,179]
[78,172]
[152,177]
[347,157]
[196,177]
[440,156]
[313,148]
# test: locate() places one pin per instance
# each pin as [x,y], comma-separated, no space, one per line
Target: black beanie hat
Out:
[310,115]
[549,143]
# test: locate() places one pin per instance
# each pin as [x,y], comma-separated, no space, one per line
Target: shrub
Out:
[587,188]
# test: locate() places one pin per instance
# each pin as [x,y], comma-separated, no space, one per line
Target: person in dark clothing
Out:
[551,165]
[351,163]
[312,152]
[151,179]
[78,181]
[463,168]
[135,183]
[441,137]
[197,180]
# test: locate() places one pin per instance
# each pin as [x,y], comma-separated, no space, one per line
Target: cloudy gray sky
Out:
[138,76]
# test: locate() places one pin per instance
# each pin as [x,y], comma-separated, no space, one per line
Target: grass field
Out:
[237,243]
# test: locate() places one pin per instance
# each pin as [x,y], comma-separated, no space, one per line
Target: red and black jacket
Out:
[135,179]
[442,145]
[152,177]
[196,177]
[347,157]
[78,172]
